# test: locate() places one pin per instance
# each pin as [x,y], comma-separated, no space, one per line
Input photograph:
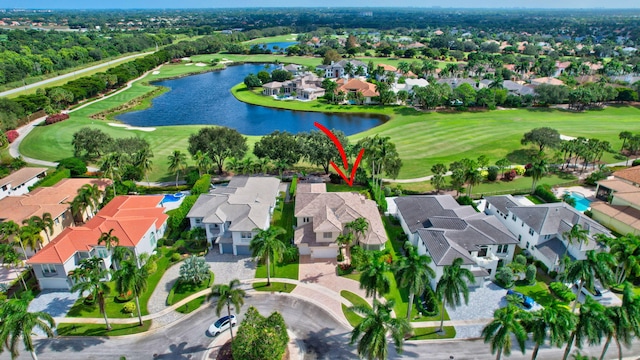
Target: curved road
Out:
[322,336]
[71,74]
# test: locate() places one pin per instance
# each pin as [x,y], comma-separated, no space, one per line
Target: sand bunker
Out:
[128,127]
[155,73]
[189,64]
[201,64]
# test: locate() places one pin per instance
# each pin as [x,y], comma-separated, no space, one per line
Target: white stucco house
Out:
[137,221]
[18,182]
[446,230]
[321,217]
[539,228]
[230,214]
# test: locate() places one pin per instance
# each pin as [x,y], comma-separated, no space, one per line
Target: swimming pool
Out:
[172,197]
[582,203]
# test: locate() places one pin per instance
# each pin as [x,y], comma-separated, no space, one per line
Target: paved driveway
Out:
[227,267]
[56,303]
[483,301]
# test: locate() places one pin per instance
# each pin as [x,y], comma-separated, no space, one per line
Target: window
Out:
[489,271]
[306,219]
[103,253]
[245,235]
[488,206]
[153,239]
[482,252]
[48,269]
[522,223]
[56,221]
[513,217]
[198,220]
[546,237]
[327,235]
[519,237]
[527,246]
[531,231]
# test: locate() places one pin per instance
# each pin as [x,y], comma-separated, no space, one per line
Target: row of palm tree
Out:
[558,325]
[17,322]
[86,203]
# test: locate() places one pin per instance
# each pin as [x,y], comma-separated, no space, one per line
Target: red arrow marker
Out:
[338,145]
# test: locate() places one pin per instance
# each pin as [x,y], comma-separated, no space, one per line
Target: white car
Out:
[222,324]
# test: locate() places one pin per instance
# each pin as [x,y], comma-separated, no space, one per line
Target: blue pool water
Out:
[172,197]
[582,203]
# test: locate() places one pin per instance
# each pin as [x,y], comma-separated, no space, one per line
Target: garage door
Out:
[324,252]
[227,248]
[243,250]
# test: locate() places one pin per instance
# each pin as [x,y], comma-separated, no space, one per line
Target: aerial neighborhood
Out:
[342,180]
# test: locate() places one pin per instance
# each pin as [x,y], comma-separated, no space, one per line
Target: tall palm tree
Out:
[11,228]
[554,322]
[345,241]
[452,284]
[29,236]
[625,321]
[228,295]
[595,265]
[507,321]
[142,160]
[17,322]
[592,326]
[359,227]
[132,278]
[626,250]
[11,258]
[111,165]
[371,332]
[538,169]
[43,223]
[577,235]
[203,162]
[373,277]
[414,273]
[90,277]
[177,163]
[267,247]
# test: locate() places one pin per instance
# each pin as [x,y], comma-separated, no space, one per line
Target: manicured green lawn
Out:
[521,184]
[272,39]
[283,217]
[100,329]
[539,292]
[183,290]
[287,271]
[422,138]
[344,188]
[432,334]
[534,199]
[352,317]
[191,305]
[274,287]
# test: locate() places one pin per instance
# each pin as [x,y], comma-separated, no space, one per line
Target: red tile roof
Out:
[354,85]
[130,217]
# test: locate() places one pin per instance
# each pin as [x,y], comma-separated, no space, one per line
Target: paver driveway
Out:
[483,301]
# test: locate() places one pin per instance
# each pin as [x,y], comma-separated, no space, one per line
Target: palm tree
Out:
[437,179]
[371,332]
[228,295]
[344,240]
[595,265]
[203,162]
[577,235]
[8,229]
[538,169]
[177,163]
[90,277]
[110,241]
[626,250]
[555,322]
[43,223]
[132,278]
[266,246]
[624,136]
[29,236]
[17,322]
[373,277]
[592,325]
[625,320]
[111,165]
[506,321]
[10,258]
[414,273]
[142,160]
[453,283]
[473,177]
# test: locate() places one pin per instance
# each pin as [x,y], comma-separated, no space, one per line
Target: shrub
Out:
[530,274]
[545,194]
[562,291]
[52,119]
[340,257]
[492,173]
[509,175]
[12,135]
[177,218]
[52,178]
[594,177]
[344,269]
[635,162]
[553,274]
[152,267]
[259,337]
[519,170]
[129,307]
[201,186]
[504,276]
[176,257]
[541,266]
[75,165]
[292,187]
[428,304]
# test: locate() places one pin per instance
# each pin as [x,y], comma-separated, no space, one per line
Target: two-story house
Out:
[231,214]
[620,206]
[321,217]
[540,228]
[137,221]
[18,182]
[54,200]
[445,230]
[339,69]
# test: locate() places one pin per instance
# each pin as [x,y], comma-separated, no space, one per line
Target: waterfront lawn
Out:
[76,329]
[272,39]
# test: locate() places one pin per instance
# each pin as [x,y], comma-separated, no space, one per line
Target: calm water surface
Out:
[206,99]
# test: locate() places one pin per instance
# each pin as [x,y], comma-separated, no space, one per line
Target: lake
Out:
[206,99]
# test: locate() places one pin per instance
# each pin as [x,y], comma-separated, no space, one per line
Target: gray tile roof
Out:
[502,202]
[556,218]
[416,210]
[442,250]
[245,202]
[553,249]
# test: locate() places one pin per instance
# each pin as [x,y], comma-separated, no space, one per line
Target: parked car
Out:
[222,324]
[596,293]
[527,302]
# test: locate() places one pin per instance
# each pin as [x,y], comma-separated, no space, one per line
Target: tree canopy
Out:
[219,143]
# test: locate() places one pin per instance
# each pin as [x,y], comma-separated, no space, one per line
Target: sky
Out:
[155,4]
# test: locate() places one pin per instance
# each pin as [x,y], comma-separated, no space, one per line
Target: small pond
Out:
[206,99]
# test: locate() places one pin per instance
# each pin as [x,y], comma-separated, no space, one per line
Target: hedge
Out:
[52,119]
[543,192]
[12,135]
[562,291]
[202,185]
[177,218]
[52,178]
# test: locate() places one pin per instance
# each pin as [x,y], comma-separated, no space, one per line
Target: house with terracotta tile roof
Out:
[540,228]
[54,200]
[619,208]
[546,81]
[321,217]
[231,214]
[367,89]
[445,230]
[137,221]
[18,182]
